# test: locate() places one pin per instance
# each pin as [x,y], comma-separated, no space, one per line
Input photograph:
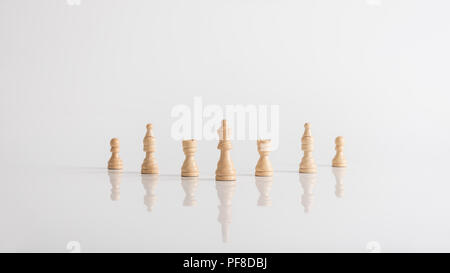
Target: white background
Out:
[74,76]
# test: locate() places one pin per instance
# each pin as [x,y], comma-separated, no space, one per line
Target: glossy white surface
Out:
[50,208]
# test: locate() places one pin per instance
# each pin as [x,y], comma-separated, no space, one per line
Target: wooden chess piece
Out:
[115,178]
[263,167]
[225,191]
[308,181]
[225,170]
[189,167]
[150,181]
[115,163]
[264,186]
[189,185]
[339,159]
[149,166]
[307,164]
[339,173]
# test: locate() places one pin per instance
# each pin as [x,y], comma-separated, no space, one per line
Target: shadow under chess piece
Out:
[115,178]
[307,165]
[225,169]
[189,167]
[264,167]
[225,191]
[150,181]
[339,173]
[115,163]
[149,166]
[339,159]
[264,185]
[308,181]
[189,185]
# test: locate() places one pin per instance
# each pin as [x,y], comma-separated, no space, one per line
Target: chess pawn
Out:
[115,178]
[339,174]
[149,166]
[189,167]
[115,163]
[189,185]
[308,181]
[225,191]
[339,159]
[150,181]
[264,186]
[225,170]
[307,164]
[263,167]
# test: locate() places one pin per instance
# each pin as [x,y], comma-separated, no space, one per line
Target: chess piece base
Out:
[341,165]
[263,173]
[308,170]
[115,166]
[149,168]
[150,171]
[189,174]
[225,177]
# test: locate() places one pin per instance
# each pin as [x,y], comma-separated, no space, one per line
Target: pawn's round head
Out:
[307,125]
[149,126]
[115,142]
[339,140]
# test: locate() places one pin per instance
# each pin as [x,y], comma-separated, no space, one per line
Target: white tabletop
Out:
[55,209]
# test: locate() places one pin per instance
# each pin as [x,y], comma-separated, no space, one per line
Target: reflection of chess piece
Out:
[225,191]
[225,170]
[115,163]
[189,186]
[150,181]
[264,185]
[307,180]
[307,164]
[115,178]
[149,165]
[189,167]
[264,167]
[339,159]
[339,173]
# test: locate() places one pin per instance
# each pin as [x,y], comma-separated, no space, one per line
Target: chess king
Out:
[225,169]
